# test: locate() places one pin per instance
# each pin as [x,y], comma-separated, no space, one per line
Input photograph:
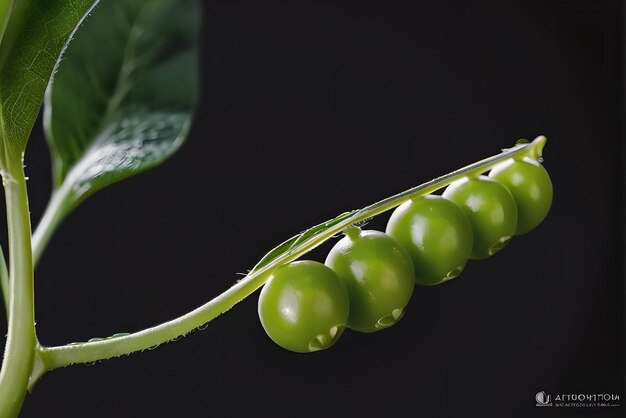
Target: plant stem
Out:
[55,212]
[4,281]
[21,340]
[54,357]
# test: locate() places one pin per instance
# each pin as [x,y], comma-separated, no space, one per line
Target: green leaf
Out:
[5,12]
[34,37]
[123,98]
[297,241]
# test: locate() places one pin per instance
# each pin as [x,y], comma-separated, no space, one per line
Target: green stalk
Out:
[58,207]
[54,357]
[21,340]
[4,282]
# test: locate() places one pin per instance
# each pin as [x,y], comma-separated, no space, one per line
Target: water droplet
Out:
[95,339]
[453,273]
[333,332]
[318,343]
[364,222]
[397,313]
[389,320]
[502,242]
[322,341]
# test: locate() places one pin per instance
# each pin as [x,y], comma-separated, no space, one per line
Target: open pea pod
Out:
[122,101]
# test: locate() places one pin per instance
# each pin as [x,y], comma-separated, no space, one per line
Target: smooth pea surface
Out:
[491,210]
[378,274]
[437,235]
[531,187]
[304,307]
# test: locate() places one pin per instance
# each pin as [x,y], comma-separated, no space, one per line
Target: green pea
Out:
[304,306]
[531,187]
[491,210]
[378,274]
[437,236]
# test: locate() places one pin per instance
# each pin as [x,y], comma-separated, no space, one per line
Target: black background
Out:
[308,110]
